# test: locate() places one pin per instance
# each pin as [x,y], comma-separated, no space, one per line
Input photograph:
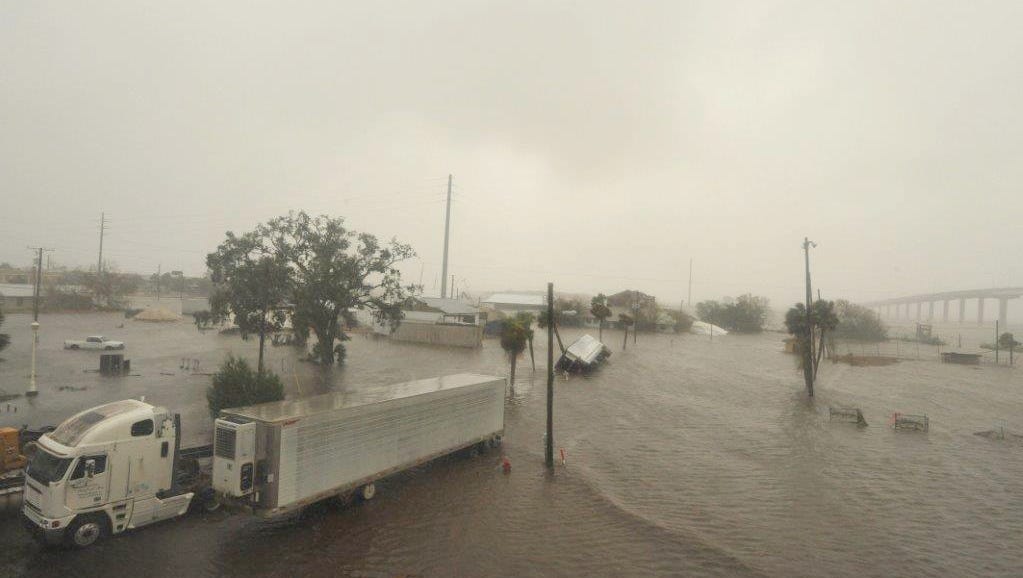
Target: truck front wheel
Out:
[85,531]
[368,491]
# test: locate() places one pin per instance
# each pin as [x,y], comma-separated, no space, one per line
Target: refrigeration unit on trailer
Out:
[276,457]
[103,471]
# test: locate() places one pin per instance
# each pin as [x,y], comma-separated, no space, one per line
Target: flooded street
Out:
[684,456]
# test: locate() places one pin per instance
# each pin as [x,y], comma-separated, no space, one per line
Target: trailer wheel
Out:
[210,504]
[85,531]
[495,441]
[368,491]
[482,447]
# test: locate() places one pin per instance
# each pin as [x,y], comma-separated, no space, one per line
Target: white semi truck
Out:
[106,470]
[119,466]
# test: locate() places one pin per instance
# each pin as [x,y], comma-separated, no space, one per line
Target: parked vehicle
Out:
[93,342]
[119,466]
[583,355]
[15,445]
[276,457]
[106,470]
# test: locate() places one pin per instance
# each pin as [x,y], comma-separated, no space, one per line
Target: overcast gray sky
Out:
[599,145]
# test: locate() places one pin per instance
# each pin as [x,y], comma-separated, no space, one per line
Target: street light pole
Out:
[32,389]
[36,296]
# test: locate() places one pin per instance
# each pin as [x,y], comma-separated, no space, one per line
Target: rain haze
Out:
[643,134]
[662,288]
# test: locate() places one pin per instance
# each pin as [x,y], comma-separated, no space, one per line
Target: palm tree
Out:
[513,341]
[541,322]
[626,320]
[810,332]
[600,310]
[526,319]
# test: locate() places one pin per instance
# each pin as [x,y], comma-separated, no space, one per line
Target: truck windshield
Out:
[46,468]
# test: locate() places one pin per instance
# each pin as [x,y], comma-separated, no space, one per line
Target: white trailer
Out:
[277,457]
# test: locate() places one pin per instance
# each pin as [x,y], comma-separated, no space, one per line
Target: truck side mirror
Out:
[90,468]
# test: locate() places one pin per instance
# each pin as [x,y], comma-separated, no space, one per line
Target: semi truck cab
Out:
[104,471]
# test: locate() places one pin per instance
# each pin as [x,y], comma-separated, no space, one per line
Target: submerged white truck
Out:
[119,466]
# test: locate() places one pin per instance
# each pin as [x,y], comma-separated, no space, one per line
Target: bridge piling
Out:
[980,311]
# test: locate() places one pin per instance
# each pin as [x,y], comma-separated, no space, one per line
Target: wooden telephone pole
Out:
[549,449]
[808,353]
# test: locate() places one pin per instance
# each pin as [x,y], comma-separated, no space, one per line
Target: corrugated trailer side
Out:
[312,448]
[348,447]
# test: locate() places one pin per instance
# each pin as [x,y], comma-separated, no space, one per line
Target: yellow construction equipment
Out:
[10,455]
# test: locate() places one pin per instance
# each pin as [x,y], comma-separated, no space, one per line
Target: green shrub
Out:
[236,384]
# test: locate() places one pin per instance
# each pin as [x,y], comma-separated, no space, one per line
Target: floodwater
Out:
[684,456]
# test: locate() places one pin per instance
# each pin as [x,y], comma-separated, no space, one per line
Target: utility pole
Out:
[36,291]
[158,268]
[996,342]
[447,229]
[452,295]
[549,449]
[689,298]
[262,322]
[33,390]
[102,228]
[808,354]
[635,320]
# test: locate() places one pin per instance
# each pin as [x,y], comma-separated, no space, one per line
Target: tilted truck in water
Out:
[119,466]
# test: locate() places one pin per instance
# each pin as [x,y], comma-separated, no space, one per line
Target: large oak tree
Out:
[313,267]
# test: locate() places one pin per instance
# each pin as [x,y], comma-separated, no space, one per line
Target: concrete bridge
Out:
[901,305]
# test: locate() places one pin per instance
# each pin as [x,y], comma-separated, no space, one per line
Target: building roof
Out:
[422,317]
[276,411]
[449,306]
[17,289]
[527,299]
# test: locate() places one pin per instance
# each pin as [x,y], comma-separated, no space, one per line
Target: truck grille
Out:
[223,445]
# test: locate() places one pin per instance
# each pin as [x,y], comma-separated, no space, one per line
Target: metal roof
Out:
[17,290]
[449,306]
[294,409]
[515,299]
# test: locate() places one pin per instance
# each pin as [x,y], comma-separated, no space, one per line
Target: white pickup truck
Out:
[93,342]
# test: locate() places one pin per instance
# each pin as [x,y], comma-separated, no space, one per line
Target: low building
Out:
[451,310]
[17,297]
[513,302]
[438,321]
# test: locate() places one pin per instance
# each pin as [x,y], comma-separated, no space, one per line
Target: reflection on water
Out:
[683,457]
